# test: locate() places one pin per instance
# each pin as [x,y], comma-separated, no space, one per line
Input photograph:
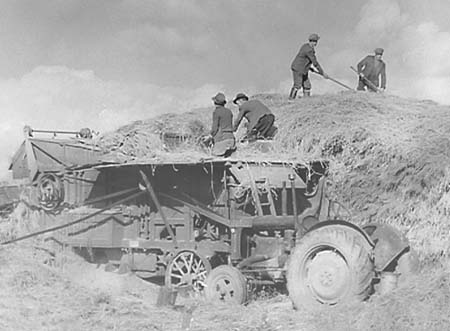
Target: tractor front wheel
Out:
[330,265]
[226,284]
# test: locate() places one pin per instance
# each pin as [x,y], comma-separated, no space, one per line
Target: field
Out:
[388,163]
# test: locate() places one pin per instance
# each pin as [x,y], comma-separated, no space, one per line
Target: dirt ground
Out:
[389,163]
[39,293]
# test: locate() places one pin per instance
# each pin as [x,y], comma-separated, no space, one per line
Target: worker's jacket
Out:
[252,110]
[372,69]
[222,124]
[305,57]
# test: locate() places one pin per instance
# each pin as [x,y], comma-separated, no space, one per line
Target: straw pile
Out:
[75,296]
[389,156]
[143,140]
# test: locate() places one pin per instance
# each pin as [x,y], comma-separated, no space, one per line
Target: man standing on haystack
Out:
[302,65]
[221,133]
[259,117]
[370,69]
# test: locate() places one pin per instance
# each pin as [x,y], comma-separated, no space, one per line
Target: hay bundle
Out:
[144,140]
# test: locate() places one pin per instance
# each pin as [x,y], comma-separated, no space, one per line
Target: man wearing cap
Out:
[302,65]
[370,69]
[222,128]
[259,117]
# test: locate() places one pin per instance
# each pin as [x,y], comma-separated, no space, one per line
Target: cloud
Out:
[422,64]
[380,20]
[167,43]
[67,99]
[416,50]
[427,49]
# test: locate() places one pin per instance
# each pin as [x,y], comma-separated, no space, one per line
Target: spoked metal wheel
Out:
[226,284]
[187,270]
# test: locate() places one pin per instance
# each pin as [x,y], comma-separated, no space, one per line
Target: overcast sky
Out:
[68,64]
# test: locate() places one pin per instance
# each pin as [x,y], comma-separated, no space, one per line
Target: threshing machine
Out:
[213,226]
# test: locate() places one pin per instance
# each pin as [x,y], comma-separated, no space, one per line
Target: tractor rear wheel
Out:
[330,265]
[226,284]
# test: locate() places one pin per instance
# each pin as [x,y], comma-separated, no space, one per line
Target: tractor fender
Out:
[389,242]
[345,223]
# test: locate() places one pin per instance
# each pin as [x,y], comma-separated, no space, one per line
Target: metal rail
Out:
[201,210]
[55,131]
[84,218]
[158,205]
[110,196]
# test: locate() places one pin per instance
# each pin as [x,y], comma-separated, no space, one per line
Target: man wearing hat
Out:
[302,64]
[222,128]
[371,68]
[259,117]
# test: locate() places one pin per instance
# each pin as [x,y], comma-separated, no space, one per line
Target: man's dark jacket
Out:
[252,110]
[305,57]
[372,69]
[222,124]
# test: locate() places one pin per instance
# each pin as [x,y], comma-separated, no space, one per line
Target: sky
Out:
[69,64]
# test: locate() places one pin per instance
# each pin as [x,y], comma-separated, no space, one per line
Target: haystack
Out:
[389,155]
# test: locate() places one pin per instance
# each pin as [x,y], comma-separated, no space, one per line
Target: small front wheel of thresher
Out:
[330,265]
[187,271]
[226,284]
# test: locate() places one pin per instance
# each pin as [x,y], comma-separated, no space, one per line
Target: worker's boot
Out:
[306,93]
[293,93]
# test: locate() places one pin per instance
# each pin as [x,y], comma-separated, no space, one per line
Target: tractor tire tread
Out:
[351,244]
